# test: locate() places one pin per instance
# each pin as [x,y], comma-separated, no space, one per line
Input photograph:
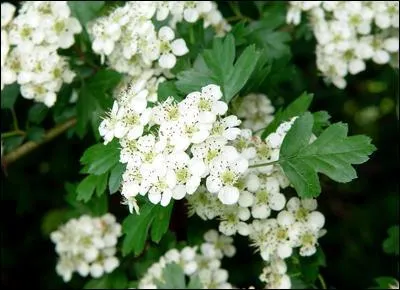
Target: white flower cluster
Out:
[170,148]
[274,275]
[349,33]
[192,11]
[256,111]
[29,44]
[203,261]
[298,225]
[259,187]
[87,245]
[7,14]
[131,42]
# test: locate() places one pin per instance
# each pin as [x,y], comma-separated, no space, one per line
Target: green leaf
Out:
[97,205]
[100,158]
[173,277]
[194,283]
[116,177]
[104,80]
[161,223]
[241,72]
[265,34]
[168,89]
[85,10]
[115,280]
[101,184]
[385,283]
[391,244]
[100,283]
[94,99]
[52,220]
[218,66]
[332,154]
[86,188]
[35,134]
[296,108]
[37,113]
[136,227]
[13,142]
[310,266]
[9,95]
[321,121]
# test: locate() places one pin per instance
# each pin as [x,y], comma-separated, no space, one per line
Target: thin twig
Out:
[31,145]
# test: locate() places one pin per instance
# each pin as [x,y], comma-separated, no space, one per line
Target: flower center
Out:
[204,105]
[307,239]
[59,27]
[182,175]
[228,177]
[301,214]
[262,197]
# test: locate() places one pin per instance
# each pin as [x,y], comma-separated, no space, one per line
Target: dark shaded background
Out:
[358,214]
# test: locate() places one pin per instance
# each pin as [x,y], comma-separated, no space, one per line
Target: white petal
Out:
[392,44]
[219,108]
[166,197]
[179,47]
[166,33]
[228,195]
[213,184]
[167,60]
[154,197]
[191,15]
[277,201]
[356,66]
[96,270]
[285,218]
[252,182]
[260,211]
[179,192]
[110,264]
[192,184]
[284,251]
[316,220]
[246,199]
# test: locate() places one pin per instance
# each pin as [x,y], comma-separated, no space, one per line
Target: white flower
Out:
[222,244]
[205,204]
[275,276]
[170,48]
[233,220]
[267,197]
[256,111]
[224,173]
[187,173]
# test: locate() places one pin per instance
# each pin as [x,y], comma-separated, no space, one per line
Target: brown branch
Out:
[31,145]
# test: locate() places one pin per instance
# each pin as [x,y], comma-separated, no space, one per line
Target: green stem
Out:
[15,120]
[238,14]
[322,281]
[263,164]
[12,133]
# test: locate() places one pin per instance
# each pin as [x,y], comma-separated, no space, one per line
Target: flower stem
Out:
[263,164]
[15,120]
[322,281]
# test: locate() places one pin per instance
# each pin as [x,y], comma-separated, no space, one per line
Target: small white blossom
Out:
[87,245]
